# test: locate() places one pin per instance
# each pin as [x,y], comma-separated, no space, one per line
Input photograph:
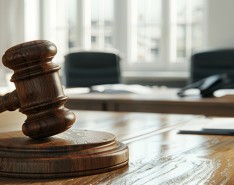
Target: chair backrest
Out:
[207,63]
[88,68]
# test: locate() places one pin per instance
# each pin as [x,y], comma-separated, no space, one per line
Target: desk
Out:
[158,155]
[164,100]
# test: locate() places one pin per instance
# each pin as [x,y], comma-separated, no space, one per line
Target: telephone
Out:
[208,85]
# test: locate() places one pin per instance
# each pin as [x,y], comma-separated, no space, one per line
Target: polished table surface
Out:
[159,100]
[158,154]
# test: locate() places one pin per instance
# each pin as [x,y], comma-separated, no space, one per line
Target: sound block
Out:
[72,153]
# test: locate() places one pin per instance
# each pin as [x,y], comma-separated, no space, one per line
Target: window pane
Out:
[146,30]
[197,23]
[181,28]
[102,23]
[189,26]
[72,21]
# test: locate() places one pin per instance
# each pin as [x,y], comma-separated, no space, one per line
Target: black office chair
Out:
[88,68]
[210,71]
[207,63]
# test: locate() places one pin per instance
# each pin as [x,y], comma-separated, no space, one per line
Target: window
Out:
[151,35]
[102,23]
[146,31]
[189,27]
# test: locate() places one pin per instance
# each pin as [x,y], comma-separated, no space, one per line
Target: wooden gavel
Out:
[38,93]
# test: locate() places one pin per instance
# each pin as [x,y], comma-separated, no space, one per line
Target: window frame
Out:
[168,45]
[122,31]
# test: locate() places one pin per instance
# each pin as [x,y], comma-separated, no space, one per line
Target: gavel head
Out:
[39,92]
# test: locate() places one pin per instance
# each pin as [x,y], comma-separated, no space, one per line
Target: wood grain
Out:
[158,155]
[39,93]
[40,96]
[72,153]
[161,100]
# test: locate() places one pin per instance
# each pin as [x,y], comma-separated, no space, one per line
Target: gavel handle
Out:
[9,102]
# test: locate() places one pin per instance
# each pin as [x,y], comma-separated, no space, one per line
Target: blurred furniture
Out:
[158,155]
[160,100]
[207,63]
[88,68]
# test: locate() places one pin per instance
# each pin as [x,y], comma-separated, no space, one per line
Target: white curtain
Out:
[12,29]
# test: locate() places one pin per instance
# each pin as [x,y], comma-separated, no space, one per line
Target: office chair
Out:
[207,63]
[88,68]
[210,71]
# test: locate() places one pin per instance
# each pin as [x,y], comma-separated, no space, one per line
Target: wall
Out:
[220,23]
[12,28]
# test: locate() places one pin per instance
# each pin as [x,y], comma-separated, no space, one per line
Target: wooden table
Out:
[161,100]
[158,155]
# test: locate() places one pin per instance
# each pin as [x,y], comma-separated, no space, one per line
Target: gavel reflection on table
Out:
[50,151]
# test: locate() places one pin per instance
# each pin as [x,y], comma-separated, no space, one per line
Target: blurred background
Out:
[155,38]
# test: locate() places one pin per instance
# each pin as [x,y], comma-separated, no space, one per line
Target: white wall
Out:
[12,23]
[220,23]
[12,28]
